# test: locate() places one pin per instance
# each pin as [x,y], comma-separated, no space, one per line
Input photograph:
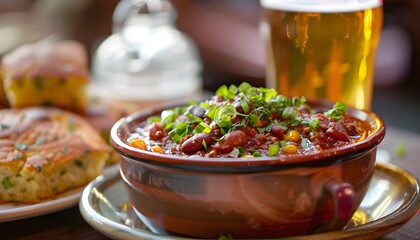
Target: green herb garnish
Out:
[204,144]
[152,120]
[242,106]
[273,150]
[6,183]
[202,127]
[224,115]
[337,111]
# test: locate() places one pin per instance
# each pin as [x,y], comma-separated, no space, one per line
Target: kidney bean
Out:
[156,131]
[249,132]
[231,140]
[195,143]
[277,131]
[336,130]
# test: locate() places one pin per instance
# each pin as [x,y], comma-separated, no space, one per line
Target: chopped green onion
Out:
[268,127]
[168,118]
[227,93]
[253,91]
[222,91]
[268,93]
[258,107]
[283,144]
[295,121]
[153,119]
[192,102]
[224,115]
[287,113]
[232,91]
[244,105]
[202,127]
[179,131]
[337,111]
[204,144]
[314,124]
[261,130]
[273,150]
[256,154]
[241,150]
[192,118]
[175,136]
[211,111]
[253,119]
[244,87]
[297,102]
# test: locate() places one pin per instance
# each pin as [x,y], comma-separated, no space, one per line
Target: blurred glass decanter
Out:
[146,58]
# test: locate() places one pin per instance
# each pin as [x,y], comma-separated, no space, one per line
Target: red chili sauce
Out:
[246,121]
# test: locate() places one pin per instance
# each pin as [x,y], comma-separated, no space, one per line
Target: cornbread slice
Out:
[47,75]
[46,151]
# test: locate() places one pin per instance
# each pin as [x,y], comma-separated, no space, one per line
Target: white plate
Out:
[16,211]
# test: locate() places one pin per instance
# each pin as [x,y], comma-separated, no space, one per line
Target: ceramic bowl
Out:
[264,197]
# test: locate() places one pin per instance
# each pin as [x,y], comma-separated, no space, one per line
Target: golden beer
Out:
[322,51]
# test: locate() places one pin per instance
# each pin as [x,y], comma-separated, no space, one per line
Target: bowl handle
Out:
[342,195]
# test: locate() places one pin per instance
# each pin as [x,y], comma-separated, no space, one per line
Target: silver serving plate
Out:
[392,200]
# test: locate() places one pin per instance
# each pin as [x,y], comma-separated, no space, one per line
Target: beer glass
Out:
[322,48]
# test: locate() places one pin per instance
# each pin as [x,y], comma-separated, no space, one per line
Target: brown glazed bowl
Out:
[264,197]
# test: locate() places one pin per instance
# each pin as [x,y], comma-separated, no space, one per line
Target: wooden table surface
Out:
[69,224]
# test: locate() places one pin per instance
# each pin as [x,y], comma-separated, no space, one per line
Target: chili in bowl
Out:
[248,163]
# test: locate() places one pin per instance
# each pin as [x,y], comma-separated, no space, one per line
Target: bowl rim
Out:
[327,156]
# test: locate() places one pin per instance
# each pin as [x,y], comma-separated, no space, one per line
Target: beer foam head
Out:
[327,6]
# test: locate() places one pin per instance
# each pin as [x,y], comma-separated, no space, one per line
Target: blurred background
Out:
[227,36]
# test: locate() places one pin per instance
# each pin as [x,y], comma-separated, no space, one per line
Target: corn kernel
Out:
[157,149]
[289,149]
[292,135]
[138,143]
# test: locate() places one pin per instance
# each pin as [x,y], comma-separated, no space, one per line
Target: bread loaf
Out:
[46,151]
[47,75]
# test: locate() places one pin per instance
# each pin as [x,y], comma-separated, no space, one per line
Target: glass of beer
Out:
[322,48]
